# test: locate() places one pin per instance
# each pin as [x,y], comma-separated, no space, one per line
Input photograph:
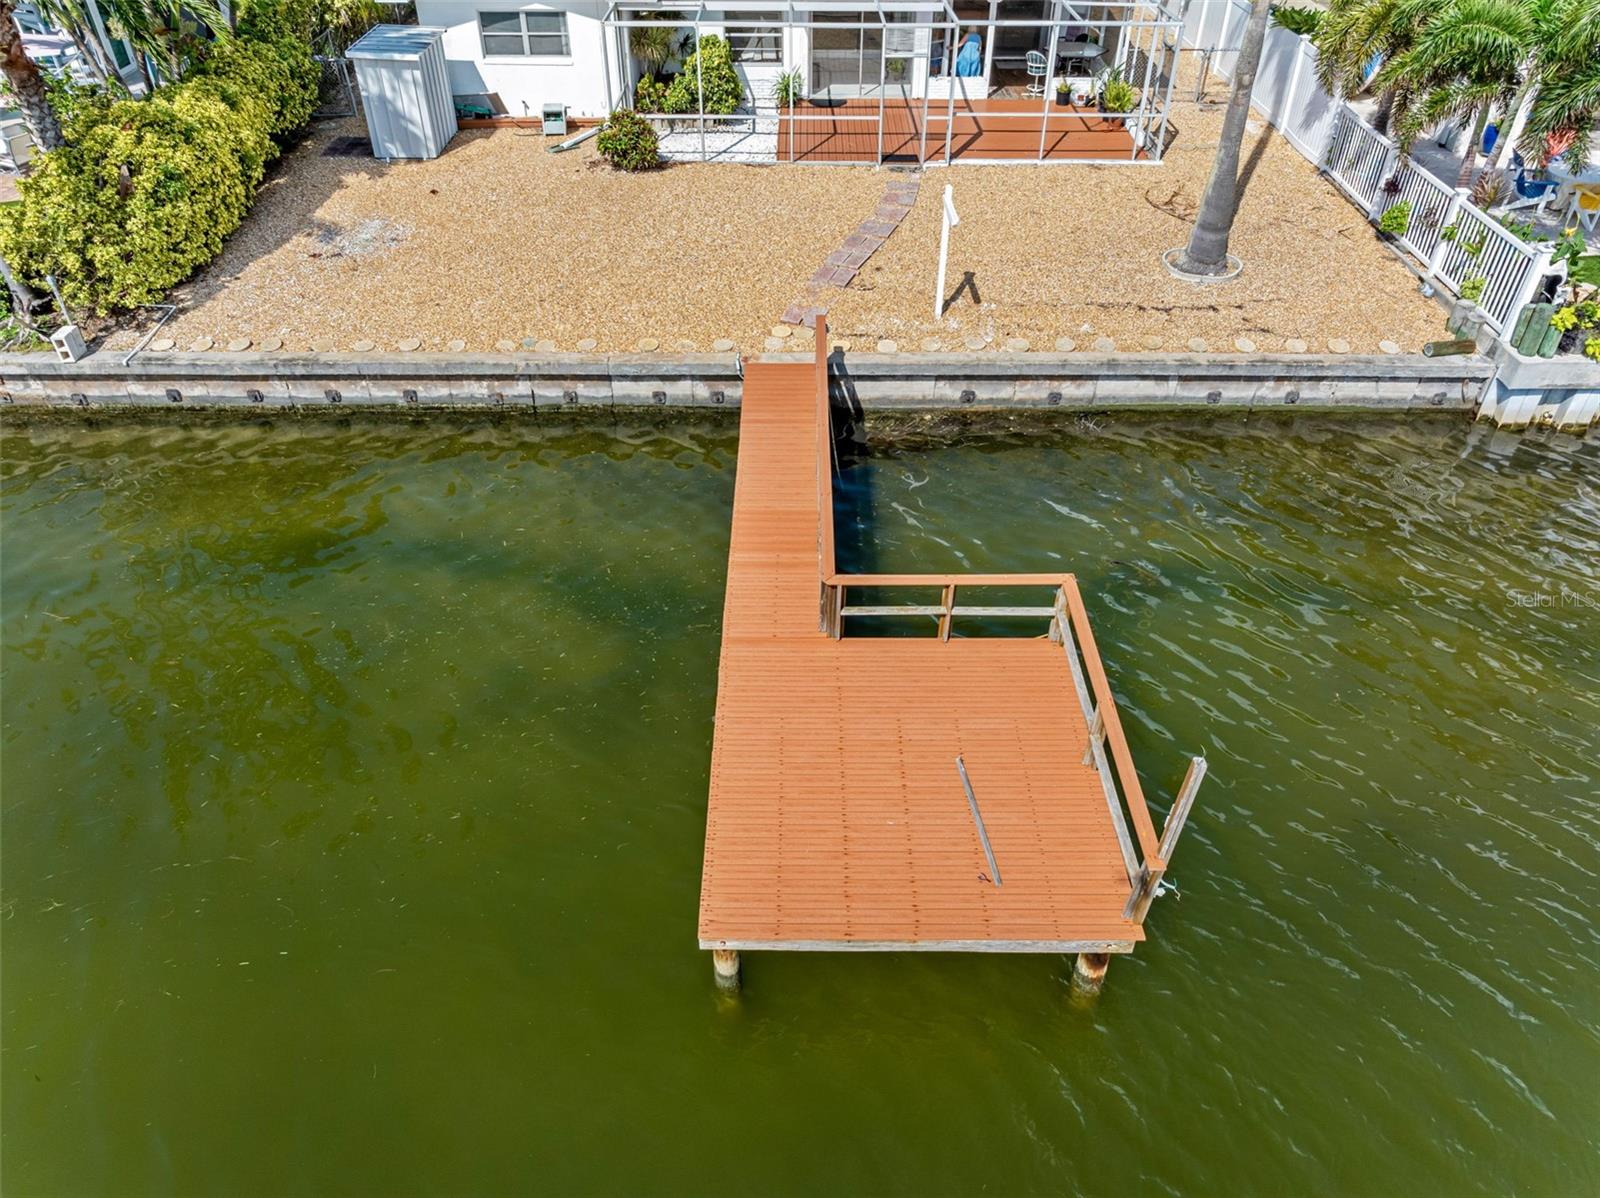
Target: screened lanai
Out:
[920,81]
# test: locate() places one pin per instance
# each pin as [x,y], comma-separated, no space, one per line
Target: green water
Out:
[354,784]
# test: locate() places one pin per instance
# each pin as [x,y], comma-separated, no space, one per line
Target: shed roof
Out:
[401,42]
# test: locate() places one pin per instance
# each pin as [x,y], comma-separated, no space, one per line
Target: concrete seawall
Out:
[1087,382]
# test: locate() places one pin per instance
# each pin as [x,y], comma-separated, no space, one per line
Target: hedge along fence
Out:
[146,191]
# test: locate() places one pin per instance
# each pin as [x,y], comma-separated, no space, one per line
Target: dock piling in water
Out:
[725,965]
[1089,973]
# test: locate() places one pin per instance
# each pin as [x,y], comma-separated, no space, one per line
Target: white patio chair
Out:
[1037,67]
[1585,207]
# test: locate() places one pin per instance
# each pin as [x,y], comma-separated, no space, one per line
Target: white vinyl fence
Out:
[1451,239]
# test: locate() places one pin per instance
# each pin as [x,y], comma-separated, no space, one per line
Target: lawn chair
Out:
[1585,207]
[1531,192]
[1037,67]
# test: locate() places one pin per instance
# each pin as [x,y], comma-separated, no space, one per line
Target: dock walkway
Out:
[838,818]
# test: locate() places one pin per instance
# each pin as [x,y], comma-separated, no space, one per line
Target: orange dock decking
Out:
[994,128]
[837,818]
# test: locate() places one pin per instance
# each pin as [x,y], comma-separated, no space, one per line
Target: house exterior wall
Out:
[577,79]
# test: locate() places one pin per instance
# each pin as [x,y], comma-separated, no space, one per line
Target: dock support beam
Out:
[725,964]
[1089,973]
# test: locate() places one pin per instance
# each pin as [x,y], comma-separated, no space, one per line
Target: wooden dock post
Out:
[725,964]
[1089,973]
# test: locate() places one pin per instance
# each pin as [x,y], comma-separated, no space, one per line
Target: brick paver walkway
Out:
[841,266]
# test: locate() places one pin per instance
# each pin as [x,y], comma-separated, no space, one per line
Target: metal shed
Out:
[405,90]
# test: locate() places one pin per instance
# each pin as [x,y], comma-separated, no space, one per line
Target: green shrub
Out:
[1296,20]
[628,142]
[724,91]
[145,191]
[788,88]
[1472,289]
[1396,219]
[650,95]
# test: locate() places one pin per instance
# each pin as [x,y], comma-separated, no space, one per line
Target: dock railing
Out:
[1066,624]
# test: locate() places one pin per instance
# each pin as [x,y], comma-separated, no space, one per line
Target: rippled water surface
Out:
[354,785]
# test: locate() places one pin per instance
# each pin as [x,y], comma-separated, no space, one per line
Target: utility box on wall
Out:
[405,90]
[554,120]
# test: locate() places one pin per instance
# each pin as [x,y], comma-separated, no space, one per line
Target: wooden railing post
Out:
[1097,733]
[1150,876]
[947,599]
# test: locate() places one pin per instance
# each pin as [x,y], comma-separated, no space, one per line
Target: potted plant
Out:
[1063,93]
[1117,94]
[788,88]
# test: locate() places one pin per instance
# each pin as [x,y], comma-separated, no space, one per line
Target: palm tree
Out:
[1566,71]
[73,17]
[653,46]
[23,77]
[1207,251]
[1467,59]
[1355,33]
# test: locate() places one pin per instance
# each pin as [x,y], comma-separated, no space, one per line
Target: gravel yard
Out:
[499,245]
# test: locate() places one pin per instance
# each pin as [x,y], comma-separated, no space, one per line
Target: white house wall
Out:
[577,80]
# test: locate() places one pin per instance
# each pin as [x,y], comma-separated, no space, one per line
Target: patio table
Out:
[1078,51]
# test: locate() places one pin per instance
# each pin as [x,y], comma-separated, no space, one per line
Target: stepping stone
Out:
[975,342]
[781,331]
[772,343]
[841,346]
[1338,345]
[1150,341]
[410,344]
[161,345]
[322,345]
[201,344]
[723,345]
[1389,347]
[1104,345]
[271,345]
[530,343]
[587,345]
[544,346]
[931,345]
[888,346]
[456,346]
[1017,345]
[1244,345]
[1294,345]
[1065,345]
[238,345]
[1197,345]
[364,346]
[505,346]
[686,346]
[647,344]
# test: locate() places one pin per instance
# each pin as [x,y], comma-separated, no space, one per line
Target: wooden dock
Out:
[838,817]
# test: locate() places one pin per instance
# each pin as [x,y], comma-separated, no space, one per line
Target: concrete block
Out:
[1137,390]
[567,391]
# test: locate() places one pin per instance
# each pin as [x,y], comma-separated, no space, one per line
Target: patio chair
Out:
[1531,192]
[1585,207]
[1037,67]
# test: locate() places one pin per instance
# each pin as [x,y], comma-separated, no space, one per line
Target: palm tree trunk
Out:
[1385,110]
[1469,156]
[23,298]
[26,83]
[1207,251]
